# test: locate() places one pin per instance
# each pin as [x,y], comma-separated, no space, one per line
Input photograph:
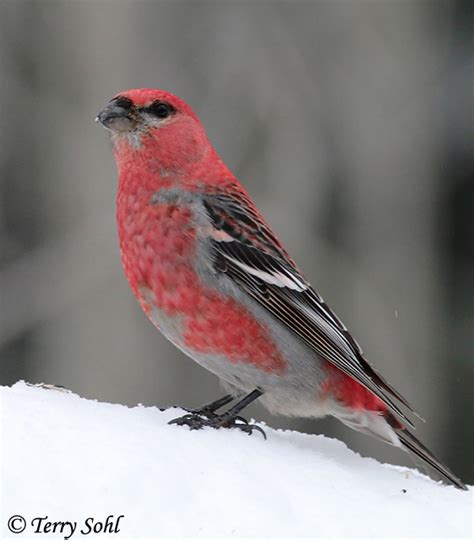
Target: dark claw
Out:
[193,421]
[196,420]
[250,428]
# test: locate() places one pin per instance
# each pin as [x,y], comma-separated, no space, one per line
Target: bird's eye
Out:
[160,109]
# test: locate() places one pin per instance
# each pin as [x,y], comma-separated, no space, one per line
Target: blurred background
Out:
[350,123]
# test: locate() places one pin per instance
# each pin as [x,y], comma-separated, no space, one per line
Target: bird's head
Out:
[156,124]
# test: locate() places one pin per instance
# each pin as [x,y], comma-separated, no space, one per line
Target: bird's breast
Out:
[166,256]
[157,241]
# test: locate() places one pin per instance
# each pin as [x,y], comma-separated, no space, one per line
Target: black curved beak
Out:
[115,118]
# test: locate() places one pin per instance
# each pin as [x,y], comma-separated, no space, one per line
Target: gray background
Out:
[348,122]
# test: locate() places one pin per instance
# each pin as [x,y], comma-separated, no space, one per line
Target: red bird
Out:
[213,277]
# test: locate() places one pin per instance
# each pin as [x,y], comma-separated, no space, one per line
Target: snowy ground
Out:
[72,459]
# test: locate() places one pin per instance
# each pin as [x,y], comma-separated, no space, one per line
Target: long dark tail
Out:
[388,428]
[413,445]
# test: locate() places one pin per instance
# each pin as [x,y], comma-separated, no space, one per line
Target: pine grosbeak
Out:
[211,274]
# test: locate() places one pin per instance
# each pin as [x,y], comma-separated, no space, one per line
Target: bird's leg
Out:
[209,409]
[246,400]
[228,419]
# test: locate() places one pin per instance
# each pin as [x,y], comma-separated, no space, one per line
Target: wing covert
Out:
[252,257]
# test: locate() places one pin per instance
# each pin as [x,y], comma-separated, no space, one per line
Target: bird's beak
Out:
[115,118]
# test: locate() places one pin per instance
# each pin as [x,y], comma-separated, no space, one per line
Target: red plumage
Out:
[211,274]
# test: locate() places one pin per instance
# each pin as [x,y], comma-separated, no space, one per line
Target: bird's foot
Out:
[209,410]
[198,420]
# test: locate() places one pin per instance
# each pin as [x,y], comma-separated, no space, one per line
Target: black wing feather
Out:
[252,257]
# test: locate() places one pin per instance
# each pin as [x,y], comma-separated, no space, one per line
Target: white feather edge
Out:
[276,278]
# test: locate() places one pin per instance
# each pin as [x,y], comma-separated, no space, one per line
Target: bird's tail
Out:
[410,443]
[388,428]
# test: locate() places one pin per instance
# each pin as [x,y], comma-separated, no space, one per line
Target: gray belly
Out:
[294,392]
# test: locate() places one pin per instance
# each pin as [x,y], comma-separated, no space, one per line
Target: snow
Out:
[71,459]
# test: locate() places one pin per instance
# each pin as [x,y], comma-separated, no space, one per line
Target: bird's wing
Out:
[247,251]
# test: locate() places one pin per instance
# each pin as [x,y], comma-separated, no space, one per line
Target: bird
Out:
[211,274]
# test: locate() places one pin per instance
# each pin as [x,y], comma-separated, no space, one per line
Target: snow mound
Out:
[76,460]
